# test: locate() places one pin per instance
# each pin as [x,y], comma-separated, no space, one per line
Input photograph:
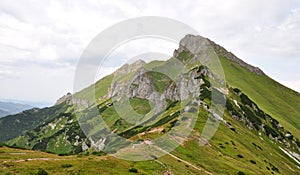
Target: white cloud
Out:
[42,37]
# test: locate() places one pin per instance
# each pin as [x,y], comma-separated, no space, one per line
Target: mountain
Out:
[258,133]
[7,108]
[3,113]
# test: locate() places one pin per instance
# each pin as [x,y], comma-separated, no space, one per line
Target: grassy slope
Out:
[27,120]
[15,161]
[219,157]
[280,102]
[99,89]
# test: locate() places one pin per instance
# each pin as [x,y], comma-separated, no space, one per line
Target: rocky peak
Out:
[70,100]
[193,44]
[198,44]
[127,68]
[66,98]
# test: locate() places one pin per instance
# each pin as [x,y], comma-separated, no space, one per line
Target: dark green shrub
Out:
[2,144]
[274,123]
[274,168]
[246,100]
[252,161]
[236,90]
[42,172]
[229,105]
[133,170]
[66,165]
[153,157]
[260,113]
[251,116]
[298,143]
[240,156]
[223,147]
[232,129]
[64,154]
[260,148]
[96,153]
[232,142]
[206,93]
[241,173]
[269,131]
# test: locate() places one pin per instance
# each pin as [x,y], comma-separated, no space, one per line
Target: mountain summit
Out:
[199,44]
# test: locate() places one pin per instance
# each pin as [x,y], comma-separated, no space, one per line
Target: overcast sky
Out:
[41,41]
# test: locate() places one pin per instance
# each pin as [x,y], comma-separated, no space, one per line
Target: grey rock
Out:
[70,100]
[199,45]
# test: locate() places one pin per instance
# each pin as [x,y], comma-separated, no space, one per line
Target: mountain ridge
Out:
[250,137]
[10,108]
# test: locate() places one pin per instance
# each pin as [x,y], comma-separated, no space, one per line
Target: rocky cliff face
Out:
[142,85]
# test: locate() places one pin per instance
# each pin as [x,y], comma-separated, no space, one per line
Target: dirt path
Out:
[33,159]
[190,164]
[186,162]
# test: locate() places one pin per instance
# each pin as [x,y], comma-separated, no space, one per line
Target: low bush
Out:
[41,172]
[240,156]
[66,165]
[96,153]
[241,173]
[133,170]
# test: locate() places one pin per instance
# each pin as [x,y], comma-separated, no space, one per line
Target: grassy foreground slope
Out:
[275,99]
[229,152]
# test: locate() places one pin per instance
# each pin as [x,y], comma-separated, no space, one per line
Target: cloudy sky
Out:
[41,41]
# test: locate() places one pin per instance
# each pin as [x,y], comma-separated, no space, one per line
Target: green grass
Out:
[30,162]
[140,106]
[97,90]
[160,81]
[273,98]
[220,156]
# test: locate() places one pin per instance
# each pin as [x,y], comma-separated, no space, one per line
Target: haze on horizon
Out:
[42,41]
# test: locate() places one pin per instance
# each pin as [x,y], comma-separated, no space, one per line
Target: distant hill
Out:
[9,108]
[3,113]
